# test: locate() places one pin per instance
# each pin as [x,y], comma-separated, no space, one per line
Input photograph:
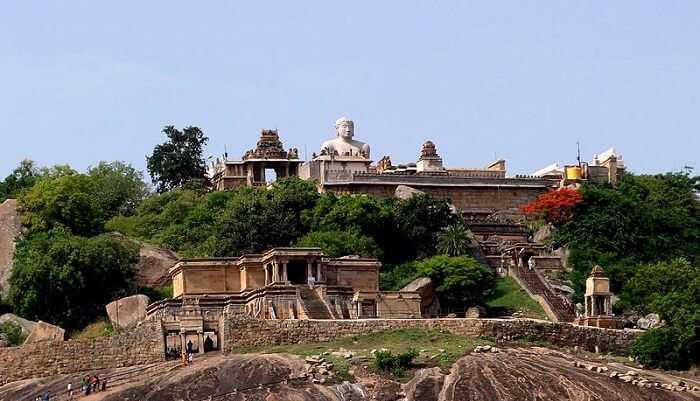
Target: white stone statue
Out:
[344,145]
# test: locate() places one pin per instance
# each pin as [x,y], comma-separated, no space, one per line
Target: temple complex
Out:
[250,171]
[282,283]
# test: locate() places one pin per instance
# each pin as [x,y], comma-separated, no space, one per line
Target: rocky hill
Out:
[9,228]
[512,374]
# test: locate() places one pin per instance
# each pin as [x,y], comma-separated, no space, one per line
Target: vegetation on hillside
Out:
[645,232]
[66,268]
[509,296]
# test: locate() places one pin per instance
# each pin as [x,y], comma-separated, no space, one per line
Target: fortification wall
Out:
[144,344]
[496,198]
[245,331]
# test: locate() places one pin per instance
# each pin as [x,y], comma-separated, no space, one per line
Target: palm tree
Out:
[454,240]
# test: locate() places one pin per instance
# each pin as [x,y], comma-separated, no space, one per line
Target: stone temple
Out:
[302,283]
[282,283]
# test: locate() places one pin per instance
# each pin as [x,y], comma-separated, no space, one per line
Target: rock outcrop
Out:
[45,332]
[126,312]
[406,192]
[650,321]
[429,304]
[9,229]
[153,265]
[26,325]
[152,268]
[475,312]
[425,385]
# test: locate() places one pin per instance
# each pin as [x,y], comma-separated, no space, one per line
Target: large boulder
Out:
[543,234]
[26,325]
[425,385]
[153,265]
[429,303]
[475,312]
[9,229]
[126,312]
[45,332]
[650,321]
[406,192]
[152,268]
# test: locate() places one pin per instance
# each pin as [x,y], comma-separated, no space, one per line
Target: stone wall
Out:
[465,197]
[245,331]
[144,344]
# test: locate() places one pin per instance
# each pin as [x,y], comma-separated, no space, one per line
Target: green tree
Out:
[66,280]
[461,281]
[340,243]
[454,240]
[179,160]
[420,220]
[67,201]
[22,178]
[119,187]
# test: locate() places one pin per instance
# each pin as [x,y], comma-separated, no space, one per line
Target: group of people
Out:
[90,384]
[186,355]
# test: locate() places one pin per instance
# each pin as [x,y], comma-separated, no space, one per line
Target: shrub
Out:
[13,332]
[661,348]
[397,364]
[461,281]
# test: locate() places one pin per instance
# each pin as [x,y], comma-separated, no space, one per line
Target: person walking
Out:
[70,390]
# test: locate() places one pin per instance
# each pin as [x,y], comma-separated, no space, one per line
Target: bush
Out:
[661,348]
[397,364]
[461,281]
[66,280]
[13,333]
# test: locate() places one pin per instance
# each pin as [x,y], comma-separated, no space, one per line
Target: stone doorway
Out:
[296,272]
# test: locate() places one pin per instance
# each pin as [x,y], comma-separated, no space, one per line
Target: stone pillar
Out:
[200,337]
[183,342]
[275,272]
[284,271]
[318,272]
[267,275]
[309,270]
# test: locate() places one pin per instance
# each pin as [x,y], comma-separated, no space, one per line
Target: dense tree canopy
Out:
[461,281]
[179,160]
[119,187]
[646,233]
[22,177]
[66,280]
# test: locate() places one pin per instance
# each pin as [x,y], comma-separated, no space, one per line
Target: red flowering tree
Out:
[554,206]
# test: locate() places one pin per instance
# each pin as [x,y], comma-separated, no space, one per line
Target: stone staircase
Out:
[313,304]
[562,310]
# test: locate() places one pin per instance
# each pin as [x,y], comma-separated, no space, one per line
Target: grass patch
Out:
[98,329]
[436,347]
[510,296]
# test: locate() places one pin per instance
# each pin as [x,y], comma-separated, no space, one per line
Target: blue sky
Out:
[85,81]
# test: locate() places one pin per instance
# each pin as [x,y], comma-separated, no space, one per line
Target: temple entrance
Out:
[296,272]
[270,175]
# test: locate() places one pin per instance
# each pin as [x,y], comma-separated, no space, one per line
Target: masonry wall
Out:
[144,344]
[245,331]
[462,197]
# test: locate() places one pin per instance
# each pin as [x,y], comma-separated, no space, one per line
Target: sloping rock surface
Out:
[535,374]
[9,228]
[128,311]
[231,378]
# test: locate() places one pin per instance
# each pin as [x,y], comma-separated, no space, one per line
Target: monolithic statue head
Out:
[345,128]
